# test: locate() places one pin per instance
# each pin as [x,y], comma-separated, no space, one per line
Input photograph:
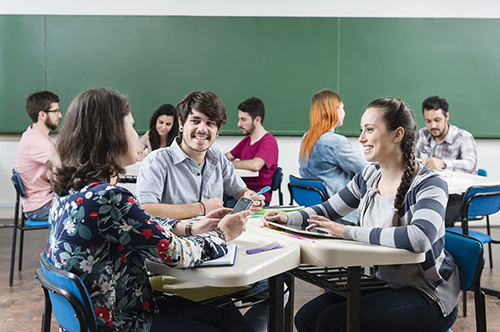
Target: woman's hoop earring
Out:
[180,129]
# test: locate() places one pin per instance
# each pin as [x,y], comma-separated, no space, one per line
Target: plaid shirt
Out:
[457,149]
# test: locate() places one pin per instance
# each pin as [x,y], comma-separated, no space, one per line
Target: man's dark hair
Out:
[39,101]
[205,102]
[253,106]
[92,140]
[435,103]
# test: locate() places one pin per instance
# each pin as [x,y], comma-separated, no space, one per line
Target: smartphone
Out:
[243,204]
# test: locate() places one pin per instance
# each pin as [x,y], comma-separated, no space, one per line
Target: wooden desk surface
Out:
[458,182]
[247,268]
[341,253]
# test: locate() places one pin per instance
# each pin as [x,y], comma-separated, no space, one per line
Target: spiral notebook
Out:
[226,260]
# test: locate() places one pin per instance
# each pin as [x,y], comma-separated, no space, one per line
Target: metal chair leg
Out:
[13,254]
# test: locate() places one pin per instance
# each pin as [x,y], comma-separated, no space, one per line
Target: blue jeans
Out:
[41,213]
[179,314]
[394,309]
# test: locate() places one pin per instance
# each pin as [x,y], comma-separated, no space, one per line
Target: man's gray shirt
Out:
[169,176]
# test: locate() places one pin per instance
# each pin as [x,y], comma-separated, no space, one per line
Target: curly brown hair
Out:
[92,140]
[205,102]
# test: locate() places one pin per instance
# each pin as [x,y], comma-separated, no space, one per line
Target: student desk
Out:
[324,252]
[248,269]
[458,182]
[132,171]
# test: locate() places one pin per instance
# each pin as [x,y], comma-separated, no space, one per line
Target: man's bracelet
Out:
[220,233]
[187,229]
[204,208]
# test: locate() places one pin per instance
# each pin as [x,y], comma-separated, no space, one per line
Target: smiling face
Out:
[245,123]
[131,156]
[198,133]
[379,144]
[164,124]
[437,123]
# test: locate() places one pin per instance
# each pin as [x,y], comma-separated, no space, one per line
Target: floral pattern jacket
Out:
[102,235]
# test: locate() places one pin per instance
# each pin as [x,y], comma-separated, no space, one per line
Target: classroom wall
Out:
[489,158]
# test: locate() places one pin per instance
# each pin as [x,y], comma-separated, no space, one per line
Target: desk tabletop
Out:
[341,253]
[458,182]
[247,269]
[134,170]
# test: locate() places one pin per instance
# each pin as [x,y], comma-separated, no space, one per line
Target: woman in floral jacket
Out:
[100,233]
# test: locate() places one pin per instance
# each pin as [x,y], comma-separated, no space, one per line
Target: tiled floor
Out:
[21,305]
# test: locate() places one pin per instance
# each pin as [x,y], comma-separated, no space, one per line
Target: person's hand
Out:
[333,227]
[435,163]
[212,204]
[234,224]
[258,201]
[219,213]
[210,221]
[274,216]
[204,225]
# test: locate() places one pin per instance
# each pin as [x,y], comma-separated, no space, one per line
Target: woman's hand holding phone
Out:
[234,224]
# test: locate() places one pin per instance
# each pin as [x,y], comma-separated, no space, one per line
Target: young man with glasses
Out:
[34,154]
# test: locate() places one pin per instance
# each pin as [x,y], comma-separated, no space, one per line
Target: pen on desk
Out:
[263,190]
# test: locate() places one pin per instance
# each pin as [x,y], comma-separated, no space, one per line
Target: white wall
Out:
[323,8]
[488,155]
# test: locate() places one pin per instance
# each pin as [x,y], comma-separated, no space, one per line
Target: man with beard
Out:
[258,151]
[35,151]
[443,146]
[190,177]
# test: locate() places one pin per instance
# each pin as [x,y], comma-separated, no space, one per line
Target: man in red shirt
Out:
[34,154]
[259,150]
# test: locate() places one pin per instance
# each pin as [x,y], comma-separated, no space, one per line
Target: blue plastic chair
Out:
[67,296]
[307,192]
[479,201]
[469,258]
[24,225]
[277,179]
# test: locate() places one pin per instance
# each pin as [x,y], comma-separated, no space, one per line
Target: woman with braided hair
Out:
[401,204]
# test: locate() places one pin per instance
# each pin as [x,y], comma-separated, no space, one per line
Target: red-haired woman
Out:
[325,155]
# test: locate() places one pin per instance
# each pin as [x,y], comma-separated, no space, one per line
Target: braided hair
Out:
[397,113]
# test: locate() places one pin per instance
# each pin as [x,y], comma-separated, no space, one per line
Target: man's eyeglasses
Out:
[52,111]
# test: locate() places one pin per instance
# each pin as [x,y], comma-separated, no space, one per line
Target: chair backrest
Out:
[468,254]
[307,192]
[276,185]
[75,311]
[18,184]
[482,172]
[481,201]
[277,179]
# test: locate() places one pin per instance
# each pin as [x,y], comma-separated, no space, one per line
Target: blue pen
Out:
[263,190]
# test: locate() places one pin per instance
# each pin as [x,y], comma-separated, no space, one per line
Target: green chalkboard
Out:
[412,59]
[283,61]
[156,60]
[21,68]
